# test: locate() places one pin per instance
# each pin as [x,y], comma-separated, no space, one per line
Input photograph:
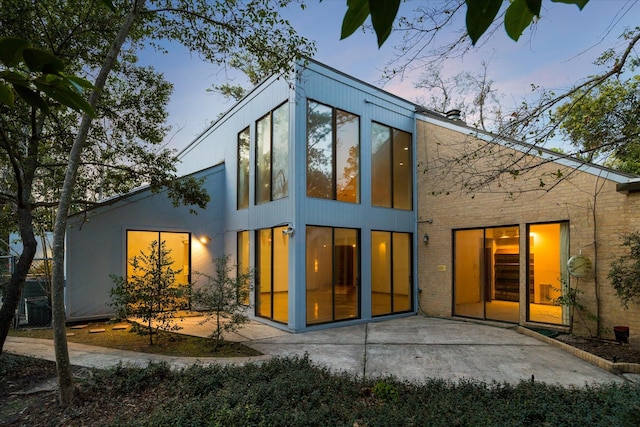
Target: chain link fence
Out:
[34,307]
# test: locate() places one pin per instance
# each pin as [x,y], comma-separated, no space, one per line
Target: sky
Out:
[556,53]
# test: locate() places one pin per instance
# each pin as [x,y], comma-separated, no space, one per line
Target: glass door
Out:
[487,273]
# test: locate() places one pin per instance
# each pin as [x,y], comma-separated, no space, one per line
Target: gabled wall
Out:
[96,241]
[542,191]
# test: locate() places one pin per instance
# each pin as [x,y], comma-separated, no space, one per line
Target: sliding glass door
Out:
[487,273]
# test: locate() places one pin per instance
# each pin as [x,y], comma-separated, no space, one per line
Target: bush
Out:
[223,296]
[625,271]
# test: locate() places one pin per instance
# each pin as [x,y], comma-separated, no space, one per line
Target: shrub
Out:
[625,271]
[223,296]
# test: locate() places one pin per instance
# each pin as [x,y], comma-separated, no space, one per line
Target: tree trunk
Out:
[65,379]
[13,289]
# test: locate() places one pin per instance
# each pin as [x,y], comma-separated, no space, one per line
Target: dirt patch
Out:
[609,350]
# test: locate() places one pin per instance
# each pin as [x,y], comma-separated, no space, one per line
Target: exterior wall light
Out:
[289,231]
[425,239]
[205,240]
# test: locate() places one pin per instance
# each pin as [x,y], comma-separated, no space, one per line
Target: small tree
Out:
[150,292]
[223,297]
[625,271]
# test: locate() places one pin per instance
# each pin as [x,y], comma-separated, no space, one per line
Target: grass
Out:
[295,392]
[167,343]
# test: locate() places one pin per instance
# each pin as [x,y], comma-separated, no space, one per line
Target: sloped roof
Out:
[619,177]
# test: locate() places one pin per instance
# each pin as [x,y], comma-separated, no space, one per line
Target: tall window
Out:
[243,169]
[272,155]
[391,168]
[243,260]
[272,274]
[333,274]
[333,153]
[391,287]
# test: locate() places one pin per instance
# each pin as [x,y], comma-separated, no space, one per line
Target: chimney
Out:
[454,115]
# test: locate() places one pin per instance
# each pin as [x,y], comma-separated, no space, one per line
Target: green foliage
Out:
[480,15]
[625,271]
[150,292]
[570,297]
[188,191]
[385,391]
[128,379]
[295,392]
[31,73]
[605,120]
[224,296]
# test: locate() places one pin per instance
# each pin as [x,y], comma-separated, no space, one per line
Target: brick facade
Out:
[468,182]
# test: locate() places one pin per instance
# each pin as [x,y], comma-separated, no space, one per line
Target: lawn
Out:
[294,392]
[122,336]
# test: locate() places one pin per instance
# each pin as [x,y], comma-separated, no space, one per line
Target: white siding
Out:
[96,242]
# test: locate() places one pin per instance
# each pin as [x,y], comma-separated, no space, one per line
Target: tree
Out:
[420,46]
[472,94]
[605,121]
[86,35]
[480,15]
[30,81]
[255,70]
[223,296]
[150,291]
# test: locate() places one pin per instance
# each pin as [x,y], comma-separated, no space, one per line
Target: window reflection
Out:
[391,168]
[272,155]
[333,153]
[243,169]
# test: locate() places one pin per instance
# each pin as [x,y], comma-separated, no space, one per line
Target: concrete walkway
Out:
[413,348]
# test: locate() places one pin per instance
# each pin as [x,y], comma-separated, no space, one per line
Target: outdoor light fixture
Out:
[425,239]
[205,239]
[288,231]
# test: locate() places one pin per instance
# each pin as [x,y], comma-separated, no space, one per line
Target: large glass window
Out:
[333,274]
[391,168]
[243,262]
[272,155]
[549,252]
[178,246]
[272,274]
[391,287]
[243,169]
[333,153]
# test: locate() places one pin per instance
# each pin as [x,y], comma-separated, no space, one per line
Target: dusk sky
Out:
[557,53]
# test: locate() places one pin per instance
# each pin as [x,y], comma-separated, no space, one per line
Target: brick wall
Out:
[464,182]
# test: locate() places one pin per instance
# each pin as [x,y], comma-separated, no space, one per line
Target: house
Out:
[289,170]
[344,201]
[508,250]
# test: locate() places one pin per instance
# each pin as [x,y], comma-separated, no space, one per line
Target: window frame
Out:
[392,269]
[257,196]
[159,234]
[334,276]
[243,203]
[334,153]
[392,203]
